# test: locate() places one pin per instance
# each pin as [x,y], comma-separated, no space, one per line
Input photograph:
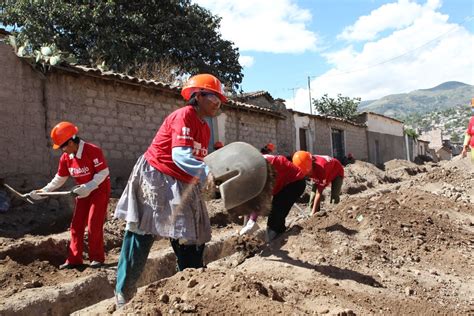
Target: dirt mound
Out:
[402,169]
[361,176]
[403,248]
[366,256]
[459,163]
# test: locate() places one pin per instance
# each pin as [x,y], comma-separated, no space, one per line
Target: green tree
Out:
[343,107]
[127,36]
[411,133]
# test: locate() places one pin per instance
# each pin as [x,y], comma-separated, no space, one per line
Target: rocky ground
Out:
[399,243]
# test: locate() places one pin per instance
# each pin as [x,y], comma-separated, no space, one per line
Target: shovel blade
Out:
[240,171]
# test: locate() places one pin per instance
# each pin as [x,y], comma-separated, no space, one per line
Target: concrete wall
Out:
[383,125]
[390,147]
[24,159]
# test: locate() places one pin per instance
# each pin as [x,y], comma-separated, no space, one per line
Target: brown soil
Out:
[399,243]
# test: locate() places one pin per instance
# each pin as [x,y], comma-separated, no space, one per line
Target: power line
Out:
[467,19]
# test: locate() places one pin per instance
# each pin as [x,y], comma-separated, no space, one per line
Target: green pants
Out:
[134,253]
[336,186]
[133,256]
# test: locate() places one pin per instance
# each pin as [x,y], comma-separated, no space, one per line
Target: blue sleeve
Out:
[184,159]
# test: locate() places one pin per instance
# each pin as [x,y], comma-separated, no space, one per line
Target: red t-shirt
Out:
[470,131]
[84,165]
[182,128]
[325,170]
[286,172]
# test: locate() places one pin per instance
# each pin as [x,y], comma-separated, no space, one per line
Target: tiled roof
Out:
[327,117]
[255,94]
[110,75]
[381,115]
[96,72]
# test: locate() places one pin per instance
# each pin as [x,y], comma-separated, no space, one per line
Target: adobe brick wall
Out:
[24,159]
[286,135]
[354,136]
[250,127]
[121,118]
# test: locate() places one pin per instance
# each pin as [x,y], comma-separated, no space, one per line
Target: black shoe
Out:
[96,264]
[68,265]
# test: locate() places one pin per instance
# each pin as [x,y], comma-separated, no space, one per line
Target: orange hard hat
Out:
[304,161]
[62,132]
[218,145]
[270,147]
[203,82]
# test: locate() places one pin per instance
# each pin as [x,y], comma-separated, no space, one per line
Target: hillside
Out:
[445,106]
[452,121]
[444,96]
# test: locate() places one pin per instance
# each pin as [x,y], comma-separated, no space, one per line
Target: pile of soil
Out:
[403,251]
[394,245]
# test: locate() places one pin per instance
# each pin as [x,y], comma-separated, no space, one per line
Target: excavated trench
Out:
[43,218]
[51,250]
[58,292]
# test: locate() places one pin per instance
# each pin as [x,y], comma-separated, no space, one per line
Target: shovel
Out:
[241,171]
[26,197]
[61,193]
[23,197]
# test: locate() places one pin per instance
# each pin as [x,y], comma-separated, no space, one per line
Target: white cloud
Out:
[393,64]
[388,17]
[277,26]
[246,61]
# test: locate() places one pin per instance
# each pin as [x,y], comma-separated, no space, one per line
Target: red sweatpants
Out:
[91,212]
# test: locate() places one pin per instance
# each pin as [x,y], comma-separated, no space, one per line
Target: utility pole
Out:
[309,92]
[294,101]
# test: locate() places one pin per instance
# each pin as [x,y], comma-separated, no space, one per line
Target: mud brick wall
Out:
[286,135]
[121,118]
[250,127]
[355,138]
[24,158]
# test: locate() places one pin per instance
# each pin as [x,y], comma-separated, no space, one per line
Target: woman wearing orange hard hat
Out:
[84,162]
[323,170]
[469,135]
[163,194]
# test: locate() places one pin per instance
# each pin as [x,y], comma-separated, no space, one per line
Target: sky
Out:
[357,48]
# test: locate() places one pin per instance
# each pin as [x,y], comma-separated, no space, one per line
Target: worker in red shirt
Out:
[85,162]
[288,187]
[324,170]
[218,145]
[469,135]
[268,149]
[163,198]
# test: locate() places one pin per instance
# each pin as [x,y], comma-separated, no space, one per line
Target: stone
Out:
[164,298]
[192,283]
